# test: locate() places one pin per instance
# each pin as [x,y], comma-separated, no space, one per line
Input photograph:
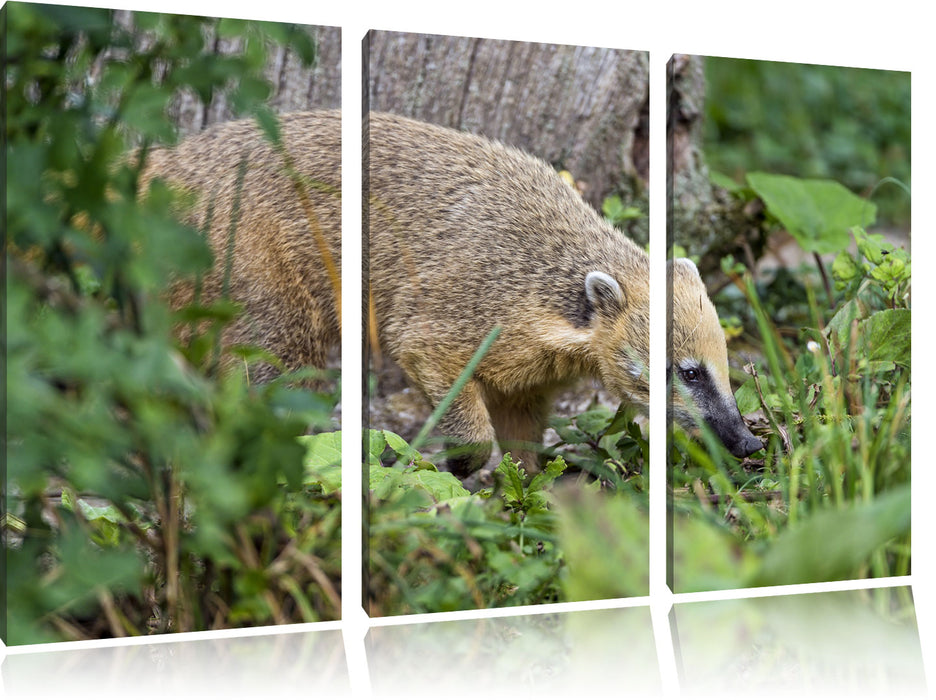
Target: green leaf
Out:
[844,267]
[376,444]
[145,110]
[885,337]
[818,213]
[838,329]
[805,553]
[441,486]
[545,478]
[606,540]
[747,398]
[513,479]
[323,460]
[872,246]
[401,447]
[595,421]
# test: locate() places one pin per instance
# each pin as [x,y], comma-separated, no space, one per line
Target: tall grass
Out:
[828,498]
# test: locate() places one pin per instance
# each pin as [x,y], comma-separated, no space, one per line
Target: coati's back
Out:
[466,233]
[287,228]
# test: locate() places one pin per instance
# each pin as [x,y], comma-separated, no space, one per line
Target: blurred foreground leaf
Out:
[806,553]
[605,540]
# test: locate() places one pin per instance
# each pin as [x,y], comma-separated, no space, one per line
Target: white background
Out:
[896,35]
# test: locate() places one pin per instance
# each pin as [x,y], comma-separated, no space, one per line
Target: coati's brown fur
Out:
[285,266]
[466,234]
[463,234]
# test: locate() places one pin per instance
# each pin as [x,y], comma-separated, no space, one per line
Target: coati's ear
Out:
[604,293]
[687,267]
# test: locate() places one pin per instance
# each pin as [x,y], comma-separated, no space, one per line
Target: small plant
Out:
[436,546]
[607,445]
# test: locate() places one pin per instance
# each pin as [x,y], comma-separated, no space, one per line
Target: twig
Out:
[110,612]
[825,280]
[778,429]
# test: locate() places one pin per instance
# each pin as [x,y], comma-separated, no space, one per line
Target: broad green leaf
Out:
[376,444]
[441,486]
[885,337]
[594,422]
[806,553]
[747,398]
[818,213]
[838,329]
[401,447]
[323,460]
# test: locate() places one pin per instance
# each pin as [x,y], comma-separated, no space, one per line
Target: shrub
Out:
[146,493]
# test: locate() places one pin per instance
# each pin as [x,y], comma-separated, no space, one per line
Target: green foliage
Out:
[846,124]
[605,539]
[817,213]
[436,546]
[617,212]
[829,498]
[608,445]
[806,552]
[880,271]
[150,493]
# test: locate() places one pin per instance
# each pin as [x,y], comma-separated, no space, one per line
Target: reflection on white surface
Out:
[841,644]
[275,665]
[818,644]
[596,653]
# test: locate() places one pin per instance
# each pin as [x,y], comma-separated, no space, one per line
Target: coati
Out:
[464,234]
[273,219]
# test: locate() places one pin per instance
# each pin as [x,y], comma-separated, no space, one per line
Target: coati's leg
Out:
[467,428]
[519,422]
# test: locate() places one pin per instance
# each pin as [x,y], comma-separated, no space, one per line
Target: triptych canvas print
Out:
[173,326]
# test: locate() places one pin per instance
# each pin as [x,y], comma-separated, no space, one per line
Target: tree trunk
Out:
[704,219]
[582,109]
[295,87]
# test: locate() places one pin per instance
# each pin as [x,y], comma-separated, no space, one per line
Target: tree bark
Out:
[703,218]
[582,109]
[295,87]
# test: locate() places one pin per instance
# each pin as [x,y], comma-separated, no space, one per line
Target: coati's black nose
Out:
[747,445]
[731,429]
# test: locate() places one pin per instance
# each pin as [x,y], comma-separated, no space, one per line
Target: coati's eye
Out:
[690,374]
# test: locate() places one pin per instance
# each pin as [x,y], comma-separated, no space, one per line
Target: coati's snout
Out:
[719,411]
[698,363]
